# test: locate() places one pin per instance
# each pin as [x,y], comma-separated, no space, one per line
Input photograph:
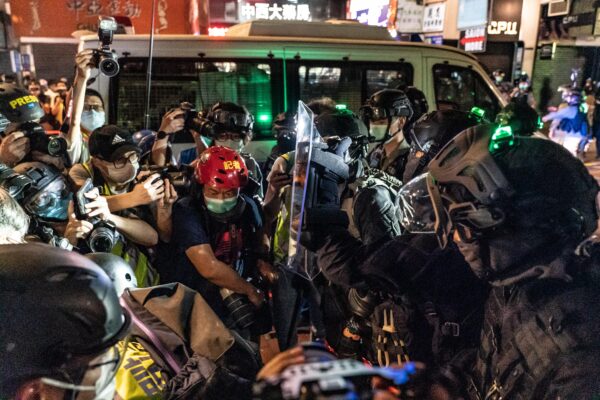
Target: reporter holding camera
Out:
[88,109]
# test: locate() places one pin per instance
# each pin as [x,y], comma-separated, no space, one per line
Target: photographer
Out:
[218,242]
[88,109]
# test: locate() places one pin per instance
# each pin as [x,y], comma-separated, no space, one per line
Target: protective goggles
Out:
[48,200]
[424,209]
[234,120]
[97,376]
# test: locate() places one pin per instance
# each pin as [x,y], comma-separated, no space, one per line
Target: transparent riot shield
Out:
[300,260]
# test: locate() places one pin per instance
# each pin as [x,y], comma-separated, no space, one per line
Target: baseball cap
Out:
[111,142]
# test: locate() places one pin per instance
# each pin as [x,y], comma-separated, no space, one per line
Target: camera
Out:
[179,177]
[15,184]
[104,58]
[104,236]
[193,119]
[239,307]
[38,140]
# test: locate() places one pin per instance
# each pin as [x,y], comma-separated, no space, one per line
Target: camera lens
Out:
[101,240]
[108,67]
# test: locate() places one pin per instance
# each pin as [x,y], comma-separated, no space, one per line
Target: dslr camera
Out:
[104,236]
[38,140]
[105,59]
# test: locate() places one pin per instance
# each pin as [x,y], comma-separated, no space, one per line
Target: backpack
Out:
[179,349]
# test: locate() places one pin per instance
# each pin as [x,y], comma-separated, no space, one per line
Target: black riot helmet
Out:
[17,105]
[342,124]
[118,270]
[385,104]
[48,196]
[485,177]
[418,103]
[57,307]
[431,133]
[229,117]
[523,120]
[284,130]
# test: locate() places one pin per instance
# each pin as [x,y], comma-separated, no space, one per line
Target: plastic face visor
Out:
[237,120]
[48,201]
[97,376]
[424,209]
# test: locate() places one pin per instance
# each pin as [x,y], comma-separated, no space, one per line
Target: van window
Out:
[349,83]
[462,89]
[202,83]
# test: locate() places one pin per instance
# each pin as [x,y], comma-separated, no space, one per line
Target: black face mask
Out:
[504,254]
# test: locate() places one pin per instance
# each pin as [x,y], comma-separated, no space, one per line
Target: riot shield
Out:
[301,261]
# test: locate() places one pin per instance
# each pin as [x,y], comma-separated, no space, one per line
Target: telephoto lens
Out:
[239,307]
[102,238]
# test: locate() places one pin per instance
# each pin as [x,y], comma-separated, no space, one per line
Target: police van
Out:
[268,66]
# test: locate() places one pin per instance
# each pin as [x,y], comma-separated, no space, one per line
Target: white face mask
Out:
[236,145]
[118,176]
[91,120]
[378,131]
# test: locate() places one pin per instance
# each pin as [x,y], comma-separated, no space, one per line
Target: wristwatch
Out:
[161,135]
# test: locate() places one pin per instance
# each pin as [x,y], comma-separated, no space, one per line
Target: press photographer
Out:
[24,139]
[88,111]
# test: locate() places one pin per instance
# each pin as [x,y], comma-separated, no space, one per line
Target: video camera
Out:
[104,236]
[323,376]
[104,58]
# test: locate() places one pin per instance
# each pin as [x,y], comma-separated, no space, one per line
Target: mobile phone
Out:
[81,200]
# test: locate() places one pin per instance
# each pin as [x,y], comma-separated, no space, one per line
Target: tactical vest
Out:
[527,328]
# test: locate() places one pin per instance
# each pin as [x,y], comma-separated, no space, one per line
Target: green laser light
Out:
[264,117]
[480,113]
[341,107]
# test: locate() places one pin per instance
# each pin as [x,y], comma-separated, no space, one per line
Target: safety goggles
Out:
[49,198]
[231,119]
[96,376]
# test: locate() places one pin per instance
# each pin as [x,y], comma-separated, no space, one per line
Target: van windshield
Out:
[201,83]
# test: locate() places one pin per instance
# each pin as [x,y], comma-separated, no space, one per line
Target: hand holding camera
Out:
[173,121]
[98,206]
[76,229]
[85,62]
[14,148]
[103,57]
[150,189]
[165,204]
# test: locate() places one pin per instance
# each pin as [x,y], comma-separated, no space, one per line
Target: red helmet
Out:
[221,168]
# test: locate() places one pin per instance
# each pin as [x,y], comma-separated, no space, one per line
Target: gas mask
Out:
[91,120]
[219,206]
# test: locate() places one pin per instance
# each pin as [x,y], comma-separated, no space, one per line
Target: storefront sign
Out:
[578,20]
[472,13]
[505,21]
[409,17]
[473,39]
[433,17]
[274,11]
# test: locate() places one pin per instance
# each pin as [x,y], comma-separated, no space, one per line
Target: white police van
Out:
[268,66]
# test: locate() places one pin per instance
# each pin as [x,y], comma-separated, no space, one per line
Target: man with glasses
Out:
[113,168]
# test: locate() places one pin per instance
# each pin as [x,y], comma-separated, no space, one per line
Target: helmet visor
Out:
[416,208]
[233,120]
[97,376]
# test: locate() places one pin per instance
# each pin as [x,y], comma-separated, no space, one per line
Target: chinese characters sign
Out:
[433,17]
[129,8]
[284,12]
[409,17]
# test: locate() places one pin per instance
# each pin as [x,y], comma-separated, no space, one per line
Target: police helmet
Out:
[418,103]
[522,119]
[385,104]
[56,306]
[227,116]
[118,270]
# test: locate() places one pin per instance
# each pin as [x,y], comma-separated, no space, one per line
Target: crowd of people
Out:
[457,250]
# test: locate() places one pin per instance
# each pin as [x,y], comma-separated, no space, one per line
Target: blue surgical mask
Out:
[219,206]
[91,120]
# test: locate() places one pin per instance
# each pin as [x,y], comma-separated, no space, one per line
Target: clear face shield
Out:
[425,209]
[97,378]
[52,202]
[306,135]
